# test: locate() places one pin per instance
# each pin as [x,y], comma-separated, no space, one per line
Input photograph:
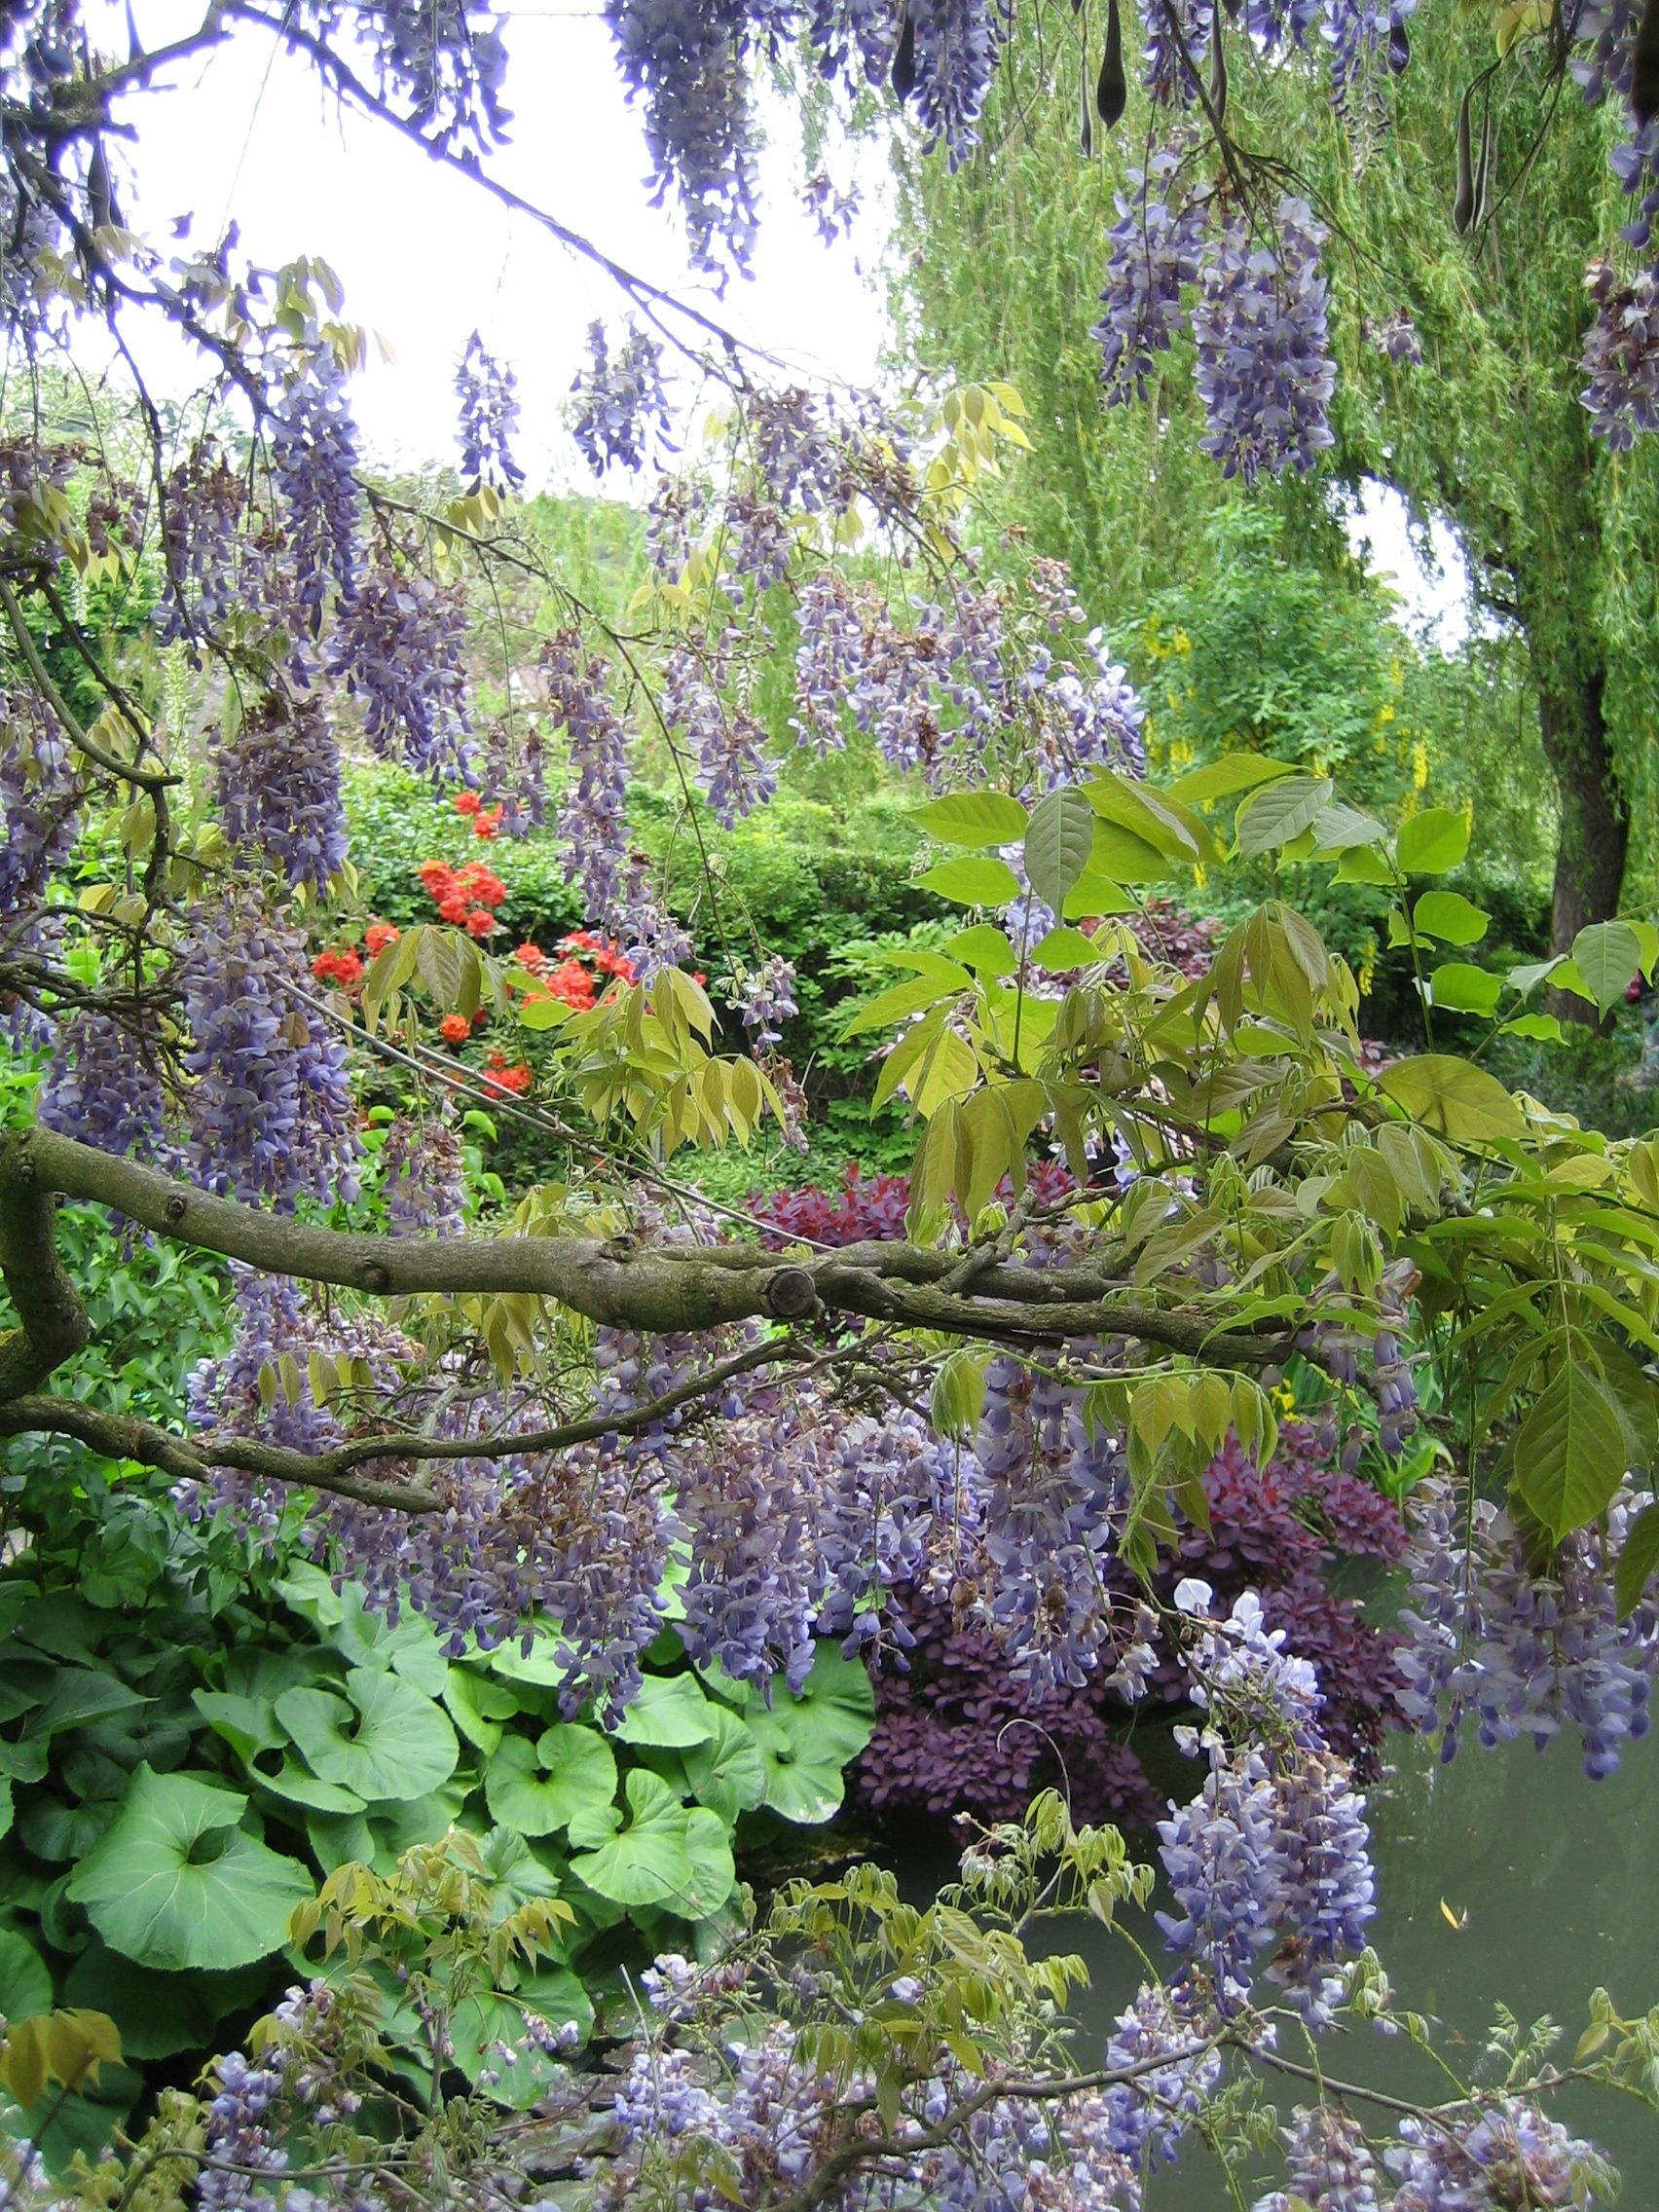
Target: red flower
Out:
[480,922]
[481,1018]
[489,822]
[378,936]
[515,1079]
[341,966]
[530,956]
[467,802]
[455,1029]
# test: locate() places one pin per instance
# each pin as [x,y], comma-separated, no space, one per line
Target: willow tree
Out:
[1461,332]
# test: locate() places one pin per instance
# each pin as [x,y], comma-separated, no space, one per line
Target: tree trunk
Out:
[1594,818]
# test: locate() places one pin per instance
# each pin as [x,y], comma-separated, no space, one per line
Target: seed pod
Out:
[1112,92]
[904,58]
[101,194]
[1399,48]
[1086,111]
[1463,203]
[1486,176]
[1644,65]
[1217,75]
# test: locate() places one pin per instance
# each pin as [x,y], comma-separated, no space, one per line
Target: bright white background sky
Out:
[425,257]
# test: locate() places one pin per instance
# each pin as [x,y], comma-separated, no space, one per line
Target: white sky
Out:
[427,257]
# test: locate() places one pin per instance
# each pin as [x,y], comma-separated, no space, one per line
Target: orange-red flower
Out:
[378,936]
[480,922]
[341,966]
[455,1029]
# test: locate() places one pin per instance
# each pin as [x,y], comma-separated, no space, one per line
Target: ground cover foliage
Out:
[517,1529]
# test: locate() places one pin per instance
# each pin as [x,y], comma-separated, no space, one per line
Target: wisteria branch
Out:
[620,1282]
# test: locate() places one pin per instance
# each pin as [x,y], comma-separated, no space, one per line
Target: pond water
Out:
[1551,1880]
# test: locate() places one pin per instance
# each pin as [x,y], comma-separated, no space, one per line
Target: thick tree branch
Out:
[621,1284]
[54,1323]
[121,1436]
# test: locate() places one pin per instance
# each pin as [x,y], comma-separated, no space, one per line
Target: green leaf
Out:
[727,1774]
[159,2014]
[248,1725]
[1607,956]
[645,1861]
[1118,856]
[480,2022]
[668,1712]
[389,1742]
[1063,950]
[292,1784]
[79,1695]
[807,1741]
[538,1790]
[1363,864]
[478,1708]
[1058,844]
[1453,1099]
[1283,811]
[1542,1028]
[1342,828]
[985,949]
[973,818]
[985,883]
[1450,917]
[175,1883]
[1569,1456]
[1636,1562]
[25,1978]
[1461,987]
[1532,973]
[713,1873]
[1097,893]
[1221,779]
[1432,841]
[60,1832]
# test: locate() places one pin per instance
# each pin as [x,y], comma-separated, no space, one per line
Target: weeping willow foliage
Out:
[999,271]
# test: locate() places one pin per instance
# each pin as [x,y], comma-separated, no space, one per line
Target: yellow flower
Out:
[1419,765]
[1367,977]
[1182,642]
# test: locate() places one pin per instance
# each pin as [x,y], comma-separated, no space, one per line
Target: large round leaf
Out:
[645,1861]
[481,2023]
[714,1876]
[806,1741]
[418,1821]
[390,1742]
[159,2014]
[539,1789]
[26,1979]
[667,1712]
[57,1831]
[175,1883]
[727,1773]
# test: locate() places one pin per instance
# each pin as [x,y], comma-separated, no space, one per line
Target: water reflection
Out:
[1550,1879]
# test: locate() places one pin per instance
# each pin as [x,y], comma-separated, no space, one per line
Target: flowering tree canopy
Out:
[602,1409]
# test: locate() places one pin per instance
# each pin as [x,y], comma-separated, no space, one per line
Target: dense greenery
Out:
[1488,433]
[683,1185]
